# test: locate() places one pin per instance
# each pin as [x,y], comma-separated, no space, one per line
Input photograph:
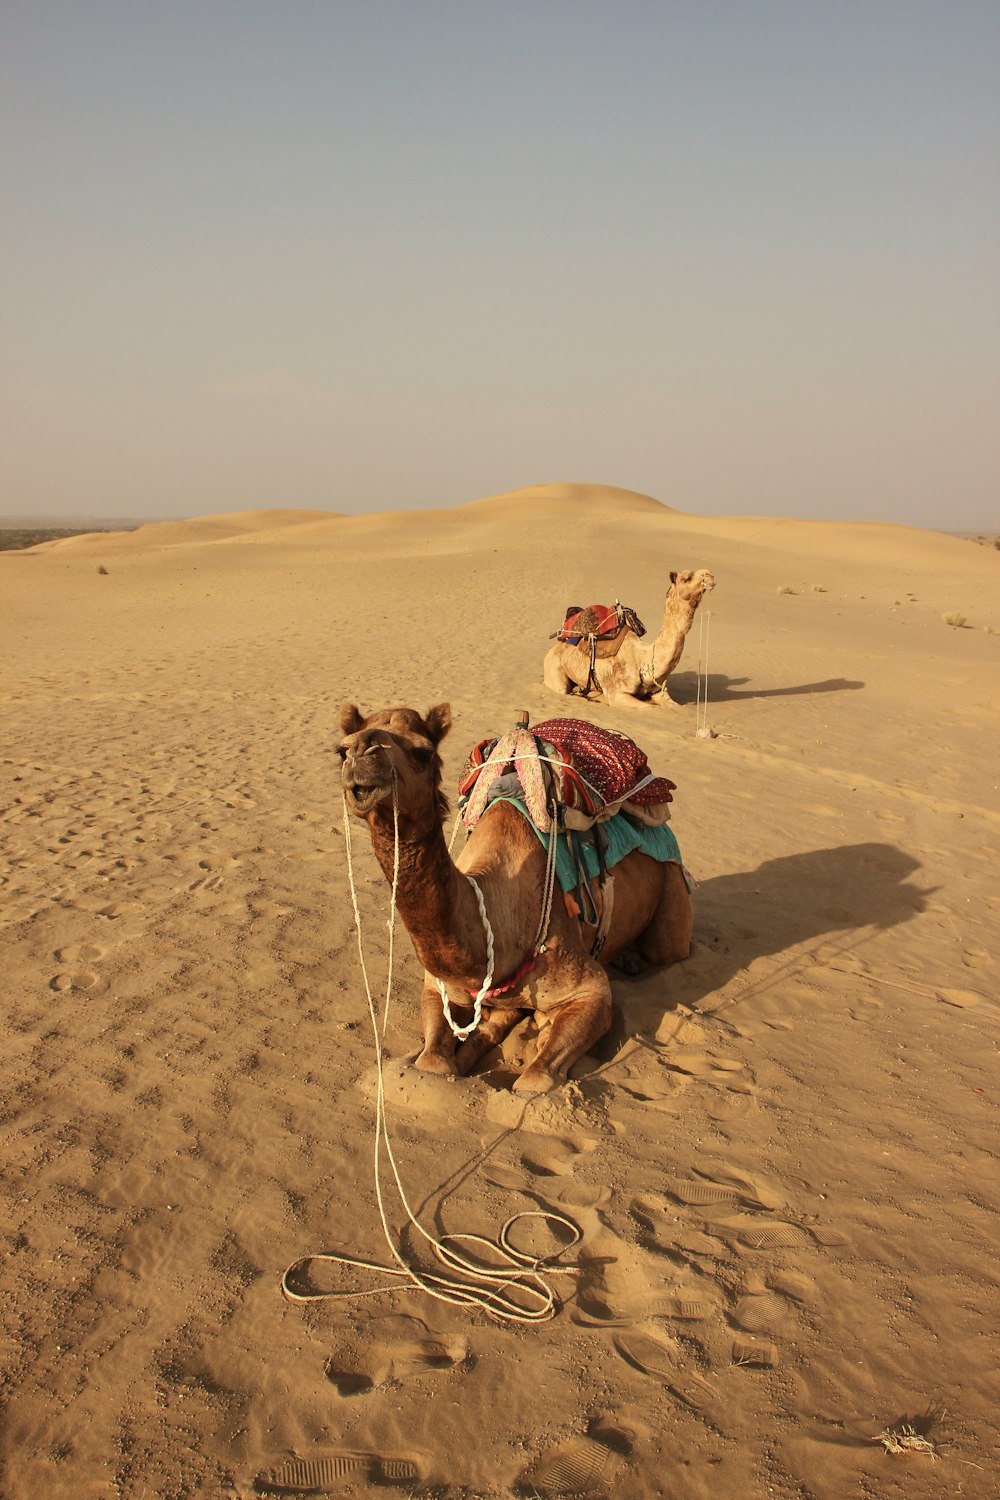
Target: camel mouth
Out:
[363,796]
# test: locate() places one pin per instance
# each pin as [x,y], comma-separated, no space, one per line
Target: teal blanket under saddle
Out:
[623,837]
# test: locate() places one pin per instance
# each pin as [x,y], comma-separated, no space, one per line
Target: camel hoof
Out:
[433,1062]
[535,1083]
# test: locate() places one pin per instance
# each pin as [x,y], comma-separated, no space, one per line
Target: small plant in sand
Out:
[955,618]
[913,1434]
[818,588]
[785,588]
[903,1437]
[102,569]
[992,629]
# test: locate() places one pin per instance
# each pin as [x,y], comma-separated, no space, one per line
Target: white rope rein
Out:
[484,1286]
[461,1032]
[701,706]
[538,946]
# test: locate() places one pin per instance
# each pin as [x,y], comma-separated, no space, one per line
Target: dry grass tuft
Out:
[786,588]
[956,618]
[912,1434]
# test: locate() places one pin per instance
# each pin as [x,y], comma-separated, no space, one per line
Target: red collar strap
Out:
[512,983]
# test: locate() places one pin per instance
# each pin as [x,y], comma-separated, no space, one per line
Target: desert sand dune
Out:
[782,1160]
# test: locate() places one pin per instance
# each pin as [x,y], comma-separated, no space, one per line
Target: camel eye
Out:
[342,751]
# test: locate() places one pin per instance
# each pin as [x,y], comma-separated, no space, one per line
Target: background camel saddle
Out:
[589,772]
[598,628]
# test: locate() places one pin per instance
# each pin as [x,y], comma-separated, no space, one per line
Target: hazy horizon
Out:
[358,258]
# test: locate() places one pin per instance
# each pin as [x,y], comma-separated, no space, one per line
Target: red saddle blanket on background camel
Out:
[590,771]
[597,622]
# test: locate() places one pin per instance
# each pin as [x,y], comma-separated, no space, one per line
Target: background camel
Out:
[639,670]
[567,989]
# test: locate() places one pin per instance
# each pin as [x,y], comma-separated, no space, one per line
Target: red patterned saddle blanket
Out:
[603,625]
[592,771]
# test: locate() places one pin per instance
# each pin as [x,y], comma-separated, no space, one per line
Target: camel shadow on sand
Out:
[723,689]
[847,892]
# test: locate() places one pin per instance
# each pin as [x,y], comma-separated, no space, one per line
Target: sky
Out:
[372,255]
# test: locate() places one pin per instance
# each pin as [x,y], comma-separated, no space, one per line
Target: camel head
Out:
[394,742]
[691,585]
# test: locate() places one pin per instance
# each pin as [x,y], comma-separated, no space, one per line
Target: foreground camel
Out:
[566,988]
[640,668]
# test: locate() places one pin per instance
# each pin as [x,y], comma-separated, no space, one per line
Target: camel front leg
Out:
[493,1027]
[438,1055]
[622,698]
[572,1030]
[555,676]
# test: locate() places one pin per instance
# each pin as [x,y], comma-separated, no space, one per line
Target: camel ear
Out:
[438,721]
[351,718]
[673,578]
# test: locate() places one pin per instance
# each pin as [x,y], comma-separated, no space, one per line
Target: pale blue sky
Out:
[742,255]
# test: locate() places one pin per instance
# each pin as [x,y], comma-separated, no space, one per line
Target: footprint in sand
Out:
[661,1228]
[792,1284]
[578,1194]
[703,1065]
[554,1157]
[76,979]
[595,1311]
[694,1242]
[653,1355]
[115,910]
[665,1235]
[684,1307]
[782,1236]
[324,1473]
[73,953]
[973,957]
[511,1179]
[725,1187]
[660,1093]
[571,1468]
[764,1312]
[754,1353]
[785,1236]
[395,1361]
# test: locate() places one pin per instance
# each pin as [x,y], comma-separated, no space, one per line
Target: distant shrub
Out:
[786,588]
[956,618]
[818,588]
[102,569]
[992,629]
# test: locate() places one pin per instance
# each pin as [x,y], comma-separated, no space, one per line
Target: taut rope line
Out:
[489,1287]
[701,705]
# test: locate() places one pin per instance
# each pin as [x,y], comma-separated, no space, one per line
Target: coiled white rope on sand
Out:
[486,1287]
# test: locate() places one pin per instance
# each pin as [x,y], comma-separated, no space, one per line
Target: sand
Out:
[783,1161]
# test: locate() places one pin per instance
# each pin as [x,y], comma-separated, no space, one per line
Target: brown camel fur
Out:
[568,990]
[639,670]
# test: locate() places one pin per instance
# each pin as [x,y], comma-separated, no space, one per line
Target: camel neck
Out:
[677,617]
[435,900]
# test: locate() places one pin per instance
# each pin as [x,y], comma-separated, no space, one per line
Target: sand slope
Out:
[783,1160]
